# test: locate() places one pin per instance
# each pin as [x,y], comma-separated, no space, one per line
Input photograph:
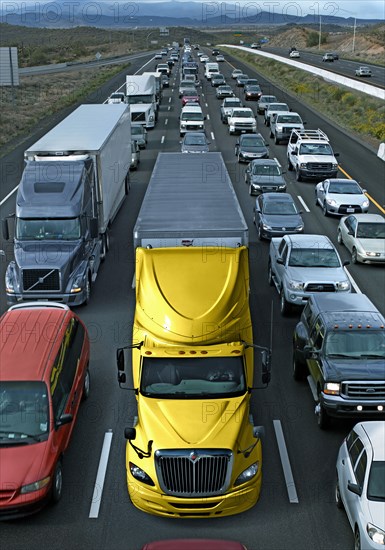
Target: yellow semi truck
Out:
[193,450]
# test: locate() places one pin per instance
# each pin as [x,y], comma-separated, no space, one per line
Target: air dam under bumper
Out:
[75,299]
[238,500]
[339,407]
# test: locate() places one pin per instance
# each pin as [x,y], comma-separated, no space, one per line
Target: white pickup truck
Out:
[311,156]
[300,265]
[241,121]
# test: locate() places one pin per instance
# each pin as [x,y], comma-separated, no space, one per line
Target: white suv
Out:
[360,486]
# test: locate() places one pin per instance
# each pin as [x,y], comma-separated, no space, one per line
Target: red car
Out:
[44,375]
[190,99]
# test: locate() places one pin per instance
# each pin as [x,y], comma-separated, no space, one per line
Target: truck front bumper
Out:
[70,299]
[317,175]
[297,298]
[337,406]
[152,501]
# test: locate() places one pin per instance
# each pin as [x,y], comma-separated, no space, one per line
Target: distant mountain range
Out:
[118,15]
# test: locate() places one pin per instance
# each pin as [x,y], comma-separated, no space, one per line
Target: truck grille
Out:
[320,287]
[190,473]
[243,125]
[287,130]
[319,166]
[41,280]
[364,390]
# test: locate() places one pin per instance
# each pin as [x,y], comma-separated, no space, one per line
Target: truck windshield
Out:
[192,116]
[193,378]
[367,344]
[313,257]
[65,229]
[315,149]
[23,412]
[131,99]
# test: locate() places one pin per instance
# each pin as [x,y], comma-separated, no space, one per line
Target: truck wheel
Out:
[298,176]
[270,274]
[298,368]
[127,184]
[322,416]
[250,190]
[105,245]
[57,483]
[271,134]
[284,304]
[276,140]
[289,165]
[87,290]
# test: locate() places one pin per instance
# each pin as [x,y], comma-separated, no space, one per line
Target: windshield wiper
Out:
[372,356]
[341,355]
[23,436]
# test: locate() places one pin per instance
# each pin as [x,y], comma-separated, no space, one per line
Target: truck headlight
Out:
[365,204]
[343,285]
[247,474]
[77,285]
[332,388]
[36,486]
[299,227]
[335,166]
[151,118]
[332,202]
[140,474]
[376,534]
[295,285]
[303,165]
[283,186]
[9,282]
[266,227]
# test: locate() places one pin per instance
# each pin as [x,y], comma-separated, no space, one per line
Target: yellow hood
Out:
[192,295]
[172,423]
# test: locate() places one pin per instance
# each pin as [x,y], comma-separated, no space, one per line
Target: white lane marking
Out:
[353,282]
[212,136]
[162,140]
[101,475]
[290,485]
[9,194]
[169,99]
[166,121]
[208,116]
[168,108]
[303,203]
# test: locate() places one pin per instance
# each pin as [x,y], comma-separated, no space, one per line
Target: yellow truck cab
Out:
[193,450]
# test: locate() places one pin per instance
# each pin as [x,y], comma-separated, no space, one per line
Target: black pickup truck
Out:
[339,343]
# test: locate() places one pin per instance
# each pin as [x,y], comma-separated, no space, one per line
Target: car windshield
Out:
[195,139]
[139,99]
[371,230]
[363,344]
[193,378]
[268,99]
[289,119]
[137,130]
[66,229]
[345,188]
[253,88]
[273,107]
[376,482]
[251,141]
[192,116]
[315,149]
[280,207]
[232,103]
[24,410]
[266,170]
[243,114]
[314,257]
[242,77]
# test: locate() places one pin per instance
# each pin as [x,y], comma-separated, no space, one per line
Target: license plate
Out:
[350,210]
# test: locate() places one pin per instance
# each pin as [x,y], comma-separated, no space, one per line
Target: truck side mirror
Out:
[120,359]
[336,154]
[94,229]
[5,229]
[258,432]
[130,433]
[266,366]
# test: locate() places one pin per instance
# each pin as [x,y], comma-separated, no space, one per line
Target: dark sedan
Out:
[194,142]
[252,92]
[251,146]
[218,80]
[241,80]
[265,176]
[275,215]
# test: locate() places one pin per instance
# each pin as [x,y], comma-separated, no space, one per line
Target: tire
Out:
[271,134]
[270,274]
[357,539]
[105,245]
[323,418]
[57,483]
[298,369]
[316,200]
[259,232]
[87,290]
[127,184]
[298,176]
[337,494]
[250,191]
[289,165]
[276,140]
[325,210]
[86,385]
[354,255]
[339,238]
[284,304]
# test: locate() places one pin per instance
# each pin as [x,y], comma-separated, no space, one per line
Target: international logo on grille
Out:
[193,456]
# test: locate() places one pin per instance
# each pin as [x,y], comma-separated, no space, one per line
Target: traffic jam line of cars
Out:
[305,269]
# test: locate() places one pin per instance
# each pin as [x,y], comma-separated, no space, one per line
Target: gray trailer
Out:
[190,201]
[73,184]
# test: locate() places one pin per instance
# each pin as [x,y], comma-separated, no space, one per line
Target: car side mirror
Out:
[346,263]
[364,191]
[350,232]
[64,419]
[336,154]
[354,488]
[280,261]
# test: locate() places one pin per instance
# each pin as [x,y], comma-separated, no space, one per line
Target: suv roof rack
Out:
[318,134]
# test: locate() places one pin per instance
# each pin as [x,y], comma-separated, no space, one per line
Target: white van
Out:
[210,69]
[191,119]
[143,113]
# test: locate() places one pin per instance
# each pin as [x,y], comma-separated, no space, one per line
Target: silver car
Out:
[364,237]
[338,196]
[360,486]
[264,101]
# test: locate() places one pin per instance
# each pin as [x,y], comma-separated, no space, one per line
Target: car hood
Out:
[350,369]
[253,149]
[279,220]
[243,118]
[347,198]
[372,245]
[23,464]
[317,274]
[271,180]
[195,149]
[319,159]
